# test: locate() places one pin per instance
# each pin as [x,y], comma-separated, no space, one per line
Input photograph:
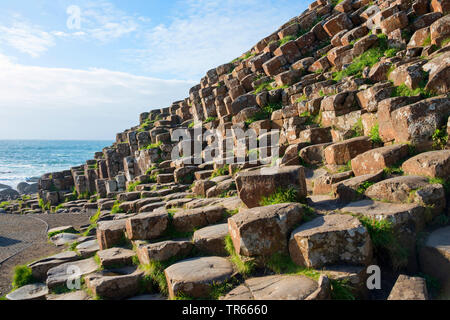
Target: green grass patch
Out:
[346,167]
[265,113]
[393,170]
[22,276]
[54,233]
[286,40]
[440,138]
[367,59]
[403,91]
[358,128]
[4,204]
[152,146]
[210,119]
[280,196]
[265,86]
[375,134]
[116,208]
[132,186]
[282,264]
[383,238]
[443,182]
[224,171]
[245,268]
[341,290]
[364,186]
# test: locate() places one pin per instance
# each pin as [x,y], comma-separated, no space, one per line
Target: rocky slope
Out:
[352,100]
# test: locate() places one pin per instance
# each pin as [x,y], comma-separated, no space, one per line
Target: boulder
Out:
[434,164]
[409,288]
[147,226]
[40,268]
[416,123]
[36,291]
[407,220]
[195,277]
[110,233]
[115,284]
[254,185]
[337,24]
[264,231]
[211,240]
[281,287]
[342,152]
[115,258]
[409,189]
[163,251]
[190,220]
[60,275]
[374,160]
[330,240]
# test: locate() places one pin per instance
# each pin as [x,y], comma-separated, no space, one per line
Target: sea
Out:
[22,160]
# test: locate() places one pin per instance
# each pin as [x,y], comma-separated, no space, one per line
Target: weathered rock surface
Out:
[329,240]
[409,288]
[264,231]
[195,277]
[254,185]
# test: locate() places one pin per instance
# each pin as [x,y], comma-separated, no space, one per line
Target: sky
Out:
[85,70]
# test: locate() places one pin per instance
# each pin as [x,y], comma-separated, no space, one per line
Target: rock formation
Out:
[319,152]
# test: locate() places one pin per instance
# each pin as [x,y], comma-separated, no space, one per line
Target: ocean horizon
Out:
[21,160]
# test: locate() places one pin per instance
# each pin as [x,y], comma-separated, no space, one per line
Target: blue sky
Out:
[87,76]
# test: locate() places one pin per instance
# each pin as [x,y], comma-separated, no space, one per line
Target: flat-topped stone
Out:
[254,185]
[115,257]
[342,152]
[409,288]
[211,240]
[115,284]
[277,287]
[162,251]
[79,295]
[329,240]
[40,268]
[409,189]
[195,277]
[110,233]
[264,231]
[36,291]
[373,161]
[64,238]
[189,220]
[59,275]
[88,249]
[147,226]
[434,164]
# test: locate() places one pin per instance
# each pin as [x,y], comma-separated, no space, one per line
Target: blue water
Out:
[24,159]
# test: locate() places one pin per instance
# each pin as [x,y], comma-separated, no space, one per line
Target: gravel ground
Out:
[23,239]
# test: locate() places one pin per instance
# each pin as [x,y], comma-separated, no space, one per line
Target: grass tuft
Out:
[280,196]
[22,276]
[245,268]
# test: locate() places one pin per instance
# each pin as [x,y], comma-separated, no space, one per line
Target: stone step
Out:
[163,251]
[254,185]
[329,240]
[281,287]
[115,284]
[211,240]
[264,231]
[196,277]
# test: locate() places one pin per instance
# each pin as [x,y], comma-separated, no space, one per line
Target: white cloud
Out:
[61,103]
[26,38]
[207,33]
